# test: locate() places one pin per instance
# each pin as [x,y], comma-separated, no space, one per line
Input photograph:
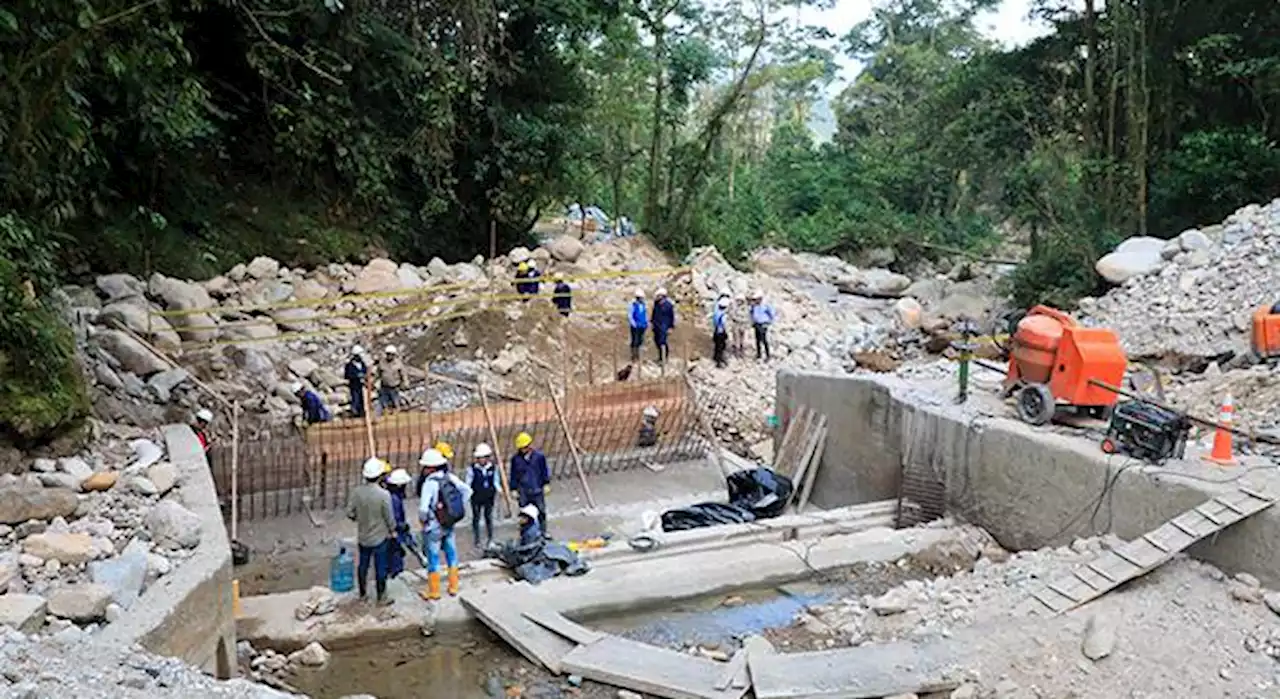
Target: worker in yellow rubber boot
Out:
[442,503]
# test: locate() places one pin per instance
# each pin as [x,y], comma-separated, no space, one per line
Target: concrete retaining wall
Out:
[1025,485]
[189,614]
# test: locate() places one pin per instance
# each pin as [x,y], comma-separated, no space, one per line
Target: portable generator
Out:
[1146,432]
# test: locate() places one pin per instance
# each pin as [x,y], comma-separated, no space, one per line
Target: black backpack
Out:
[450,509]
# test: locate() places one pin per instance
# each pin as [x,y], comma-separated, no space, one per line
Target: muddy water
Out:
[480,666]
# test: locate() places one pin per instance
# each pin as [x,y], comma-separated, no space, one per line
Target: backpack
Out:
[450,509]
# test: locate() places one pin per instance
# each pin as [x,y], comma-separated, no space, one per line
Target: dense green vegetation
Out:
[187,136]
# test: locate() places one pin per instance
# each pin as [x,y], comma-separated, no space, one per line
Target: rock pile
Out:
[1191,297]
[83,536]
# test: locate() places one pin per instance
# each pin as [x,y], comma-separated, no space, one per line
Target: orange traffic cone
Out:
[1221,453]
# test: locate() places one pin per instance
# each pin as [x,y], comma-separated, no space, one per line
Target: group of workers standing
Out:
[758,314]
[383,533]
[663,321]
[528,283]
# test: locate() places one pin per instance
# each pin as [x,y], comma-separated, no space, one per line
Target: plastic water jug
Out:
[342,570]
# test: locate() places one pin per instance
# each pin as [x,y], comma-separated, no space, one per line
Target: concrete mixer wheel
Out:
[1035,404]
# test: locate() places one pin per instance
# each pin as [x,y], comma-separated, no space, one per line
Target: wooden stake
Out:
[431,428]
[368,422]
[497,451]
[707,431]
[813,471]
[235,469]
[573,445]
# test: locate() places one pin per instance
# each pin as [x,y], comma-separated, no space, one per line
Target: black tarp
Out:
[757,493]
[540,561]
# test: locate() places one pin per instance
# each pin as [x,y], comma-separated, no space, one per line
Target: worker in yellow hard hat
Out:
[530,477]
[444,448]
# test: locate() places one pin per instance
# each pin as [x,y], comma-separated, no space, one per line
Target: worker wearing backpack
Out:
[441,505]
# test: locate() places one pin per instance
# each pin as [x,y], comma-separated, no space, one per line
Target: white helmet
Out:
[723,302]
[357,350]
[662,291]
[296,387]
[530,511]
[533,264]
[639,293]
[391,349]
[482,450]
[399,477]
[756,295]
[372,468]
[432,458]
[650,411]
[204,415]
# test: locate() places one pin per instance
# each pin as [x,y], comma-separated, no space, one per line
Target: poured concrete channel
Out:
[1027,486]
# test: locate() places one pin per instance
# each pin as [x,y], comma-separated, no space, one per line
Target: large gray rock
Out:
[123,575]
[262,268]
[82,603]
[565,248]
[1135,257]
[294,319]
[23,612]
[173,525]
[137,317]
[20,503]
[60,480]
[186,296]
[303,367]
[255,328]
[132,355]
[408,277]
[67,548]
[255,362]
[164,476]
[378,276]
[119,286]
[438,269]
[1194,240]
[1099,637]
[163,383]
[309,289]
[107,377]
[75,467]
[219,287]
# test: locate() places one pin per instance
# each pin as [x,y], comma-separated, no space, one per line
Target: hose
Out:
[644,542]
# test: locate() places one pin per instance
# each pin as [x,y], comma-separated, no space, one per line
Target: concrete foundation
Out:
[188,614]
[1029,487]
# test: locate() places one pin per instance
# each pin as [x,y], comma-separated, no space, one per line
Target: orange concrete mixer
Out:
[1053,361]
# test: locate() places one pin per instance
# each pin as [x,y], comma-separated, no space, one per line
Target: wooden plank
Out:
[554,621]
[1209,516]
[798,427]
[502,612]
[812,476]
[1184,529]
[649,670]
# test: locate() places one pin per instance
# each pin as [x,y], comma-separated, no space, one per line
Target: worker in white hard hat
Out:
[762,317]
[390,378]
[402,538]
[357,375]
[648,427]
[483,477]
[530,532]
[638,320]
[200,426]
[664,321]
[370,506]
[313,410]
[441,505]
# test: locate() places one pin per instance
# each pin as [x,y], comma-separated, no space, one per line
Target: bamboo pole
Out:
[431,427]
[368,421]
[573,446]
[235,469]
[497,451]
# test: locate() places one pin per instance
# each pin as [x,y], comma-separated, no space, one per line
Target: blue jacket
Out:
[762,314]
[529,473]
[639,315]
[530,534]
[718,318]
[313,409]
[664,314]
[562,299]
[355,371]
[529,283]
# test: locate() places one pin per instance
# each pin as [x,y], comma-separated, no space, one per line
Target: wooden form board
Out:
[1137,557]
[503,612]
[650,670]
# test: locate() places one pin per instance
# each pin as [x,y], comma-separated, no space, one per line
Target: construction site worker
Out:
[370,506]
[762,318]
[390,377]
[664,320]
[482,476]
[436,536]
[719,331]
[357,375]
[530,476]
[562,296]
[648,427]
[638,319]
[204,416]
[739,321]
[447,452]
[530,532]
[397,483]
[313,410]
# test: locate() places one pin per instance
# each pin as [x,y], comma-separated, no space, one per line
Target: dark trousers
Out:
[660,341]
[637,339]
[395,552]
[718,343]
[357,399]
[762,340]
[389,397]
[538,501]
[379,556]
[482,510]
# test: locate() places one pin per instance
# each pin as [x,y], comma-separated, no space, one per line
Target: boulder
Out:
[119,286]
[83,603]
[313,655]
[163,475]
[303,367]
[133,385]
[60,480]
[910,312]
[237,273]
[1134,257]
[123,575]
[143,486]
[1099,637]
[76,468]
[130,353]
[1193,239]
[518,255]
[262,268]
[437,269]
[294,319]
[310,290]
[256,363]
[66,548]
[163,383]
[565,248]
[23,613]
[408,277]
[138,318]
[886,283]
[173,525]
[20,503]
[380,275]
[145,452]
[467,273]
[107,378]
[219,287]
[99,482]
[254,328]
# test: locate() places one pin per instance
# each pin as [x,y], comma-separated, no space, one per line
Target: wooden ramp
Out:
[1112,568]
[653,671]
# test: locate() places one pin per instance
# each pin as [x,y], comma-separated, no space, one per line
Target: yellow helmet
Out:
[386,467]
[444,448]
[523,267]
[523,440]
